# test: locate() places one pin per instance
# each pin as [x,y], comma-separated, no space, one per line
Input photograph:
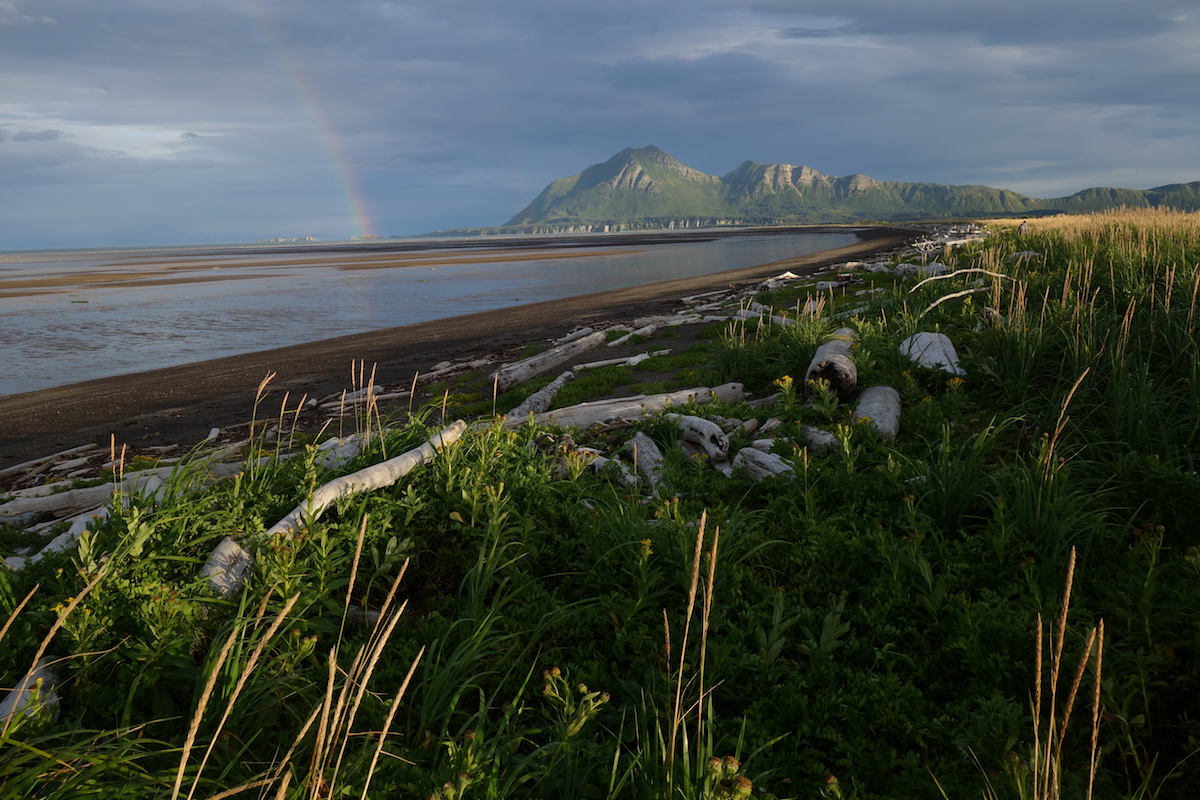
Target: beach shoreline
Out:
[179,405]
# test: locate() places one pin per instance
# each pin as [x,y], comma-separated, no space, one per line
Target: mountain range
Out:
[641,189]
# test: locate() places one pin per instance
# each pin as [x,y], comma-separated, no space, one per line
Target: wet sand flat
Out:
[180,404]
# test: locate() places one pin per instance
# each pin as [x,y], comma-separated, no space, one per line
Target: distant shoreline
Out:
[180,404]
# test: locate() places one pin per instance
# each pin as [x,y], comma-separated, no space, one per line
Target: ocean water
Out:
[73,316]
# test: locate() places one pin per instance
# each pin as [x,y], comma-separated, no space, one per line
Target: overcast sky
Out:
[198,121]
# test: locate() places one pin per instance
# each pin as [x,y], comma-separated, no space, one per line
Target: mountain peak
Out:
[645,188]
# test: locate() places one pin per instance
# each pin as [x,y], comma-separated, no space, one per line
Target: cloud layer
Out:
[148,121]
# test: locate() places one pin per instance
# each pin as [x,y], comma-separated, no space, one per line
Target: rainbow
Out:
[356,201]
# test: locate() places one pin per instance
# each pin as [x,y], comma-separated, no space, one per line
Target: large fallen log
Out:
[834,362]
[514,374]
[74,501]
[586,414]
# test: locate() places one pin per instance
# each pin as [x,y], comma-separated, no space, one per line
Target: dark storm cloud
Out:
[260,117]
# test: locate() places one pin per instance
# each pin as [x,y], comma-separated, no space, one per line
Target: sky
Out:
[145,122]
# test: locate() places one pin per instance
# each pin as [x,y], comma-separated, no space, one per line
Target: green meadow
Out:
[1004,601]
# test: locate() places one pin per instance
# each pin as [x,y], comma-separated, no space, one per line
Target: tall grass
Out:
[870,616]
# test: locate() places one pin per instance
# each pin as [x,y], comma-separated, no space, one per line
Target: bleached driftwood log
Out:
[586,414]
[834,362]
[647,458]
[573,335]
[882,405]
[20,699]
[540,400]
[227,567]
[74,501]
[16,469]
[645,330]
[622,469]
[63,541]
[373,477]
[933,350]
[631,361]
[705,433]
[744,313]
[818,439]
[511,375]
[760,465]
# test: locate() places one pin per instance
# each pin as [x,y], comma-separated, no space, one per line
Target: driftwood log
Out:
[586,414]
[229,563]
[540,400]
[933,350]
[880,404]
[647,458]
[514,374]
[373,477]
[703,432]
[760,465]
[834,362]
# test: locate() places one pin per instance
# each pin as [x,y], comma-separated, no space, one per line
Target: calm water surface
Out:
[74,316]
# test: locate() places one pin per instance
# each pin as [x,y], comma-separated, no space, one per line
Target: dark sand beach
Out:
[179,405]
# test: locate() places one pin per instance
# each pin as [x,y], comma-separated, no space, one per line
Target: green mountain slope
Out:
[646,188]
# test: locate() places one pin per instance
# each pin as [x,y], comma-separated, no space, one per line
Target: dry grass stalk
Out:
[677,716]
[190,739]
[1047,759]
[247,671]
[17,611]
[1096,707]
[387,724]
[362,532]
[707,610]
[1063,419]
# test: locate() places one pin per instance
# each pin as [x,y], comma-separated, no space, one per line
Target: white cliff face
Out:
[632,176]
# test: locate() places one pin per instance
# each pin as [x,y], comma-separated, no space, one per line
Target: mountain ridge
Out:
[646,188]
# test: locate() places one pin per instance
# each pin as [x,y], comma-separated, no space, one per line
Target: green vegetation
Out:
[865,626]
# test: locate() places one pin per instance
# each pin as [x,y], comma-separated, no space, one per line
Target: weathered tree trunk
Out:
[834,362]
[511,375]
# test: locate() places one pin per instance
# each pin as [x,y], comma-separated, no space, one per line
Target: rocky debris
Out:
[942,236]
[817,439]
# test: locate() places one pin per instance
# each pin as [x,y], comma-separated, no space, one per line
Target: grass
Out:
[1005,597]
